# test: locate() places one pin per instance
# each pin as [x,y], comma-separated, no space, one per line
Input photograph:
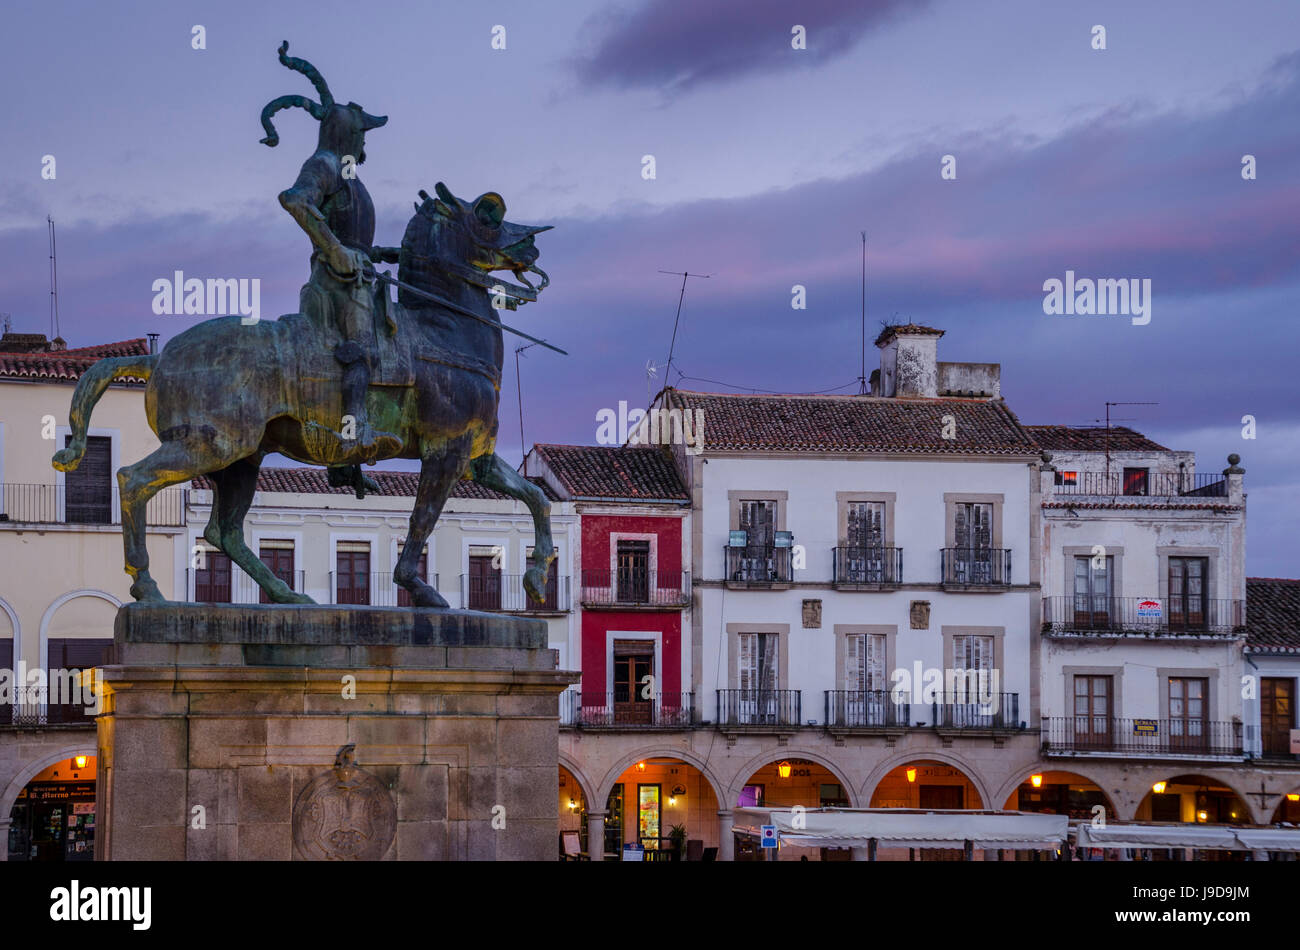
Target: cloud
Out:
[678,45]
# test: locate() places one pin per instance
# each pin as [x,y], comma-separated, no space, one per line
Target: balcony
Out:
[31,707]
[1141,738]
[757,566]
[1143,484]
[626,710]
[975,568]
[24,504]
[636,590]
[505,593]
[759,709]
[1083,615]
[867,568]
[968,710]
[865,710]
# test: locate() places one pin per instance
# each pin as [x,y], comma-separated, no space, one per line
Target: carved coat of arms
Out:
[344,815]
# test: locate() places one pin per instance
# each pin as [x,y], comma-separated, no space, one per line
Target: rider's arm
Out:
[317,180]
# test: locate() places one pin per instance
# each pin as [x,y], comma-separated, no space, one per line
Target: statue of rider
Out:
[332,205]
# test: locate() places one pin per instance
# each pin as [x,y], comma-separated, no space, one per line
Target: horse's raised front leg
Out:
[439,472]
[494,472]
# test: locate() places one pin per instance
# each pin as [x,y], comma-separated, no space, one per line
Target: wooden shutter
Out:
[866,524]
[747,662]
[88,489]
[855,662]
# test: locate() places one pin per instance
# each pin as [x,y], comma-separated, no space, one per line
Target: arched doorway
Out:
[926,783]
[1060,793]
[666,808]
[572,810]
[785,783]
[53,816]
[1195,799]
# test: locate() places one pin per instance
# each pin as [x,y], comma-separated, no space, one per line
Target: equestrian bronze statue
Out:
[223,395]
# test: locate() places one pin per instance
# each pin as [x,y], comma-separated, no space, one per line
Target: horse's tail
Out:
[90,388]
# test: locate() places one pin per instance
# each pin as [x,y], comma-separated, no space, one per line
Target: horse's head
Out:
[450,240]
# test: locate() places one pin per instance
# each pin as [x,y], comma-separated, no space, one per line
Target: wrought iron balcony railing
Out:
[757,565]
[372,589]
[505,592]
[49,504]
[865,709]
[628,708]
[759,707]
[1085,613]
[31,707]
[976,567]
[971,709]
[1140,737]
[867,567]
[1142,484]
[635,588]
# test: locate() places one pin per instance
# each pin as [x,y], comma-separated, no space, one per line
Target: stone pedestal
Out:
[224,732]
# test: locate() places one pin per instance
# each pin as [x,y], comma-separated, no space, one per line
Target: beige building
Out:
[61,546]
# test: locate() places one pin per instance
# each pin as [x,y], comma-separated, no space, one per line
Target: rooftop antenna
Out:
[1108,420]
[519,389]
[54,282]
[672,346]
[862,380]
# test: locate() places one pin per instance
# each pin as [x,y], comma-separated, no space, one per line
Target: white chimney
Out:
[909,360]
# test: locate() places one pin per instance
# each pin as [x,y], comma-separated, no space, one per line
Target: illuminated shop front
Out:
[53,818]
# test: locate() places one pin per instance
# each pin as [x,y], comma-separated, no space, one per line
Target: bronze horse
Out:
[223,395]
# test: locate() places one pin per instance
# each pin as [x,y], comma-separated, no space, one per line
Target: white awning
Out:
[1270,839]
[1187,835]
[906,828]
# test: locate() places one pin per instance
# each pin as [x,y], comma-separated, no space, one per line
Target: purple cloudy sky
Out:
[1117,163]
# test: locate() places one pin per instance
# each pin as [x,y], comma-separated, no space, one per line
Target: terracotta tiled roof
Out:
[312,481]
[1272,615]
[66,364]
[604,471]
[1092,439]
[856,424]
[888,333]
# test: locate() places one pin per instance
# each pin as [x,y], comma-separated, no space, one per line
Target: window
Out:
[973,535]
[88,489]
[212,578]
[1276,714]
[647,815]
[757,669]
[1187,592]
[1188,712]
[1135,481]
[73,654]
[484,581]
[1092,591]
[1092,711]
[352,573]
[1067,478]
[831,795]
[973,655]
[278,556]
[864,662]
[633,560]
[614,820]
[758,521]
[865,553]
[421,571]
[634,660]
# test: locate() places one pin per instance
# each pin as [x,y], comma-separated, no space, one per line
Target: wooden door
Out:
[1276,714]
